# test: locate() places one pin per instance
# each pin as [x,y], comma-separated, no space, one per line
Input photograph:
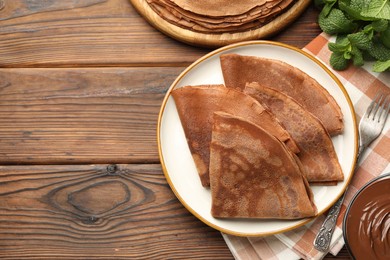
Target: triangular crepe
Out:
[196,105]
[253,175]
[239,70]
[317,153]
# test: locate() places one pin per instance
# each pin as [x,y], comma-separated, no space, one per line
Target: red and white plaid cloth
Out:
[361,84]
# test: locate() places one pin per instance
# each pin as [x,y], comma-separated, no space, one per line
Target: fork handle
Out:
[324,236]
[361,149]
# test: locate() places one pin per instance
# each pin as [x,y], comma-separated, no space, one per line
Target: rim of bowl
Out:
[344,227]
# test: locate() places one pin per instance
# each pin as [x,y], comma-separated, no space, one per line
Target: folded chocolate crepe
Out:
[317,154]
[239,70]
[196,105]
[253,174]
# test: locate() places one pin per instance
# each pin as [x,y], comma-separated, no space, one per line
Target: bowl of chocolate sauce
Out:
[366,225]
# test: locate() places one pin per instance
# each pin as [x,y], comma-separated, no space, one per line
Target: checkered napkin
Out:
[361,84]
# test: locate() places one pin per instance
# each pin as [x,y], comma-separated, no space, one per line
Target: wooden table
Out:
[81,84]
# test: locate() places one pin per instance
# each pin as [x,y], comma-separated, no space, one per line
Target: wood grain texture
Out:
[304,28]
[101,33]
[56,109]
[83,33]
[96,212]
[102,115]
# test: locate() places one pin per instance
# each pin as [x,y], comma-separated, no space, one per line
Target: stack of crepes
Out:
[221,15]
[259,140]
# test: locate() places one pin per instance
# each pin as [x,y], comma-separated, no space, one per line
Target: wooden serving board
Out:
[219,39]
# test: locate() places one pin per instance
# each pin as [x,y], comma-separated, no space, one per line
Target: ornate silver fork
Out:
[370,127]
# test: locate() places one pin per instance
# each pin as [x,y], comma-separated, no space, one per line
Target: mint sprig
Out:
[362,29]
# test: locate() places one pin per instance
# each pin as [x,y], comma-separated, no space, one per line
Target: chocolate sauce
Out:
[367,221]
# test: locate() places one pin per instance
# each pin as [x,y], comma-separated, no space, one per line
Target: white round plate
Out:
[179,167]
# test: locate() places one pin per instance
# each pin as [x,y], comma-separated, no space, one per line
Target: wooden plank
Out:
[302,31]
[98,115]
[98,211]
[83,33]
[102,33]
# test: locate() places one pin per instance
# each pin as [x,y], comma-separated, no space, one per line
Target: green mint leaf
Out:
[336,22]
[334,47]
[357,57]
[367,56]
[339,47]
[385,37]
[347,55]
[381,66]
[337,61]
[326,10]
[379,9]
[360,39]
[369,30]
[342,39]
[362,29]
[379,51]
[380,25]
[354,8]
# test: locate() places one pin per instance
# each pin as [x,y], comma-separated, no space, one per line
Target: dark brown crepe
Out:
[317,154]
[239,70]
[219,7]
[230,16]
[196,105]
[254,175]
